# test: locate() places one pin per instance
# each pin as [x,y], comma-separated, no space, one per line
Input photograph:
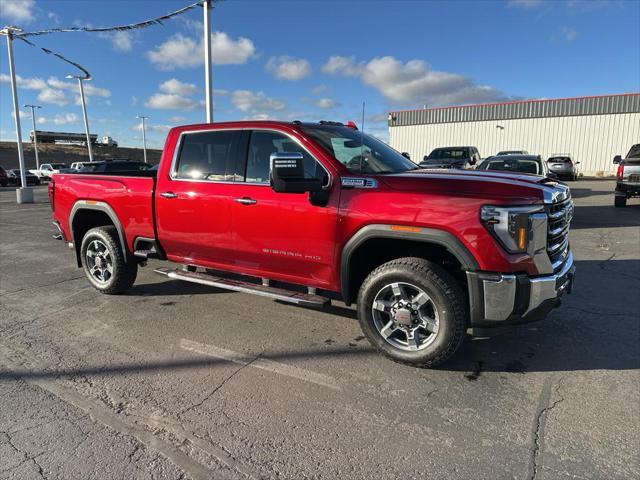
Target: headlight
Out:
[511,226]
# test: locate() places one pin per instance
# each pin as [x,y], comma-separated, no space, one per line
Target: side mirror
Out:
[406,155]
[617,159]
[287,174]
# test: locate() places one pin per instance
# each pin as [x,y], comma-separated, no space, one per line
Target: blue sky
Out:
[313,60]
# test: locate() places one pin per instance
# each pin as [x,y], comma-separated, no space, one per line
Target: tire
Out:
[620,201]
[446,312]
[118,275]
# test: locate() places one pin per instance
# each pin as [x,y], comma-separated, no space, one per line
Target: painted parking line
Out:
[261,363]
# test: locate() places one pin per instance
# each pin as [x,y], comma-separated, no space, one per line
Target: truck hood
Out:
[512,187]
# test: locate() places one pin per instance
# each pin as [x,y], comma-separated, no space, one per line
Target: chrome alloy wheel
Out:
[405,316]
[99,262]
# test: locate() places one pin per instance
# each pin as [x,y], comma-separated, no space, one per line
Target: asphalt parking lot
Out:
[176,380]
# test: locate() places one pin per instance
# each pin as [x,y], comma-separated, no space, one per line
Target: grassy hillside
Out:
[67,154]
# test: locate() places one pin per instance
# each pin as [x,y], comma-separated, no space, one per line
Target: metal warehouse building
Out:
[592,129]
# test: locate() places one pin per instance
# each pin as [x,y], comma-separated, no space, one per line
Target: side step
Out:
[303,299]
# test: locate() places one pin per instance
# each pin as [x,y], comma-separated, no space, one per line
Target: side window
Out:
[206,156]
[262,144]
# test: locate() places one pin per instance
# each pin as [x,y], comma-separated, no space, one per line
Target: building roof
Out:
[559,107]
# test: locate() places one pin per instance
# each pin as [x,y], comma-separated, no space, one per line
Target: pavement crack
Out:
[213,392]
[541,416]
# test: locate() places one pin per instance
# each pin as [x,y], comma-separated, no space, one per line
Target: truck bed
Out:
[128,194]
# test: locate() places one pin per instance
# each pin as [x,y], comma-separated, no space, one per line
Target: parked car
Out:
[627,176]
[563,165]
[424,254]
[78,165]
[14,178]
[46,170]
[451,157]
[4,179]
[512,152]
[517,164]
[114,166]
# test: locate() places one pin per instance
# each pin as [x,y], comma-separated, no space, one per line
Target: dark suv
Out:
[451,157]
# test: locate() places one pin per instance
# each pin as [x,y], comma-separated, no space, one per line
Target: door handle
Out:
[246,201]
[168,195]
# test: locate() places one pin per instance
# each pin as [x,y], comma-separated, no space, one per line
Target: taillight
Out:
[51,194]
[620,172]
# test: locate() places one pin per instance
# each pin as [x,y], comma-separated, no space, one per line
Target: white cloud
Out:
[66,118]
[256,102]
[170,101]
[51,95]
[180,51]
[177,119]
[413,82]
[569,33]
[325,103]
[319,89]
[525,3]
[175,86]
[289,68]
[21,11]
[341,65]
[26,83]
[90,90]
[120,41]
[151,128]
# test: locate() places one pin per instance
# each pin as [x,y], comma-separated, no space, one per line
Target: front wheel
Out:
[413,311]
[620,201]
[104,263]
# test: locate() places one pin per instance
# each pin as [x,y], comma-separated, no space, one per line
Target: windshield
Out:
[360,153]
[448,155]
[58,165]
[512,165]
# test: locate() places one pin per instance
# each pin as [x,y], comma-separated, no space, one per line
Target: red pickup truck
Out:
[308,212]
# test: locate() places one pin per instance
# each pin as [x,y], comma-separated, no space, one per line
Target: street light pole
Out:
[84,112]
[144,137]
[23,194]
[206,6]
[35,136]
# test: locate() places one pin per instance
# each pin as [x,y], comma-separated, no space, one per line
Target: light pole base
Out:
[24,195]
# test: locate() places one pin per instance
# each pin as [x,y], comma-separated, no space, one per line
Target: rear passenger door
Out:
[193,202]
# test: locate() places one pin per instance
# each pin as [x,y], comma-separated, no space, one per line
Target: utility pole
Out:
[144,137]
[84,112]
[206,7]
[35,136]
[23,194]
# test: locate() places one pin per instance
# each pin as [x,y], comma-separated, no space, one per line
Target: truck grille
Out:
[559,218]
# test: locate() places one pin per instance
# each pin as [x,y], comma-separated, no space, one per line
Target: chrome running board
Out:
[303,299]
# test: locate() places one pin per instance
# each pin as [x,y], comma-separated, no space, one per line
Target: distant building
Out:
[591,129]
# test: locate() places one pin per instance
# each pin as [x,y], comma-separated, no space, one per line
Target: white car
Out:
[46,170]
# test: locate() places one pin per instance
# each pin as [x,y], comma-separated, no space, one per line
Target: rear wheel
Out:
[104,263]
[620,201]
[413,311]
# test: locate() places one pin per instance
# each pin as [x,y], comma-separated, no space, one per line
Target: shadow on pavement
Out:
[600,216]
[171,287]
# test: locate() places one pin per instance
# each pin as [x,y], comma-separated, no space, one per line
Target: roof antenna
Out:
[362,140]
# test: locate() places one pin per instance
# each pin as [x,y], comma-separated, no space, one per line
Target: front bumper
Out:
[504,299]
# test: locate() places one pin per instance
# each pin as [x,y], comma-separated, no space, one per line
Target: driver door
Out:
[282,235]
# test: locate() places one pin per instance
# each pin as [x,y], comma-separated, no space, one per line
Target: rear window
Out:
[455,153]
[124,167]
[560,160]
[634,152]
[206,156]
[523,166]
